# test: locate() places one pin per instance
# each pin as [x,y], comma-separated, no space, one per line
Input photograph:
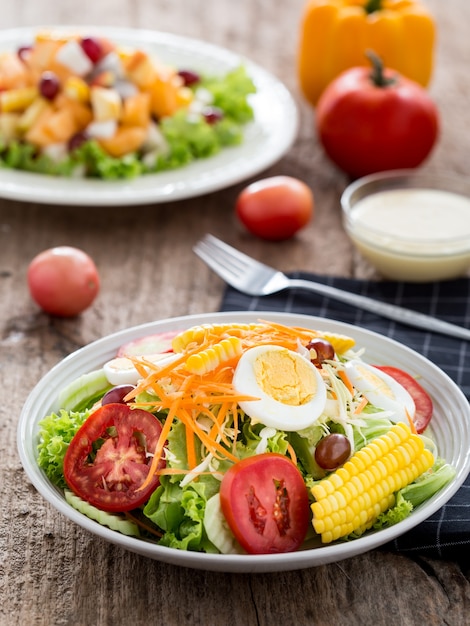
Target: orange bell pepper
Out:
[335,35]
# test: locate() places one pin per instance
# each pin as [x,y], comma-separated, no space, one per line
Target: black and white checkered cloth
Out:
[446,534]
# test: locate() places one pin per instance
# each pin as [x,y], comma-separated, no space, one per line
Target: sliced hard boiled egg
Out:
[381,390]
[121,370]
[290,393]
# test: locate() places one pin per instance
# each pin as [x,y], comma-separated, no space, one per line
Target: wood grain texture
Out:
[51,571]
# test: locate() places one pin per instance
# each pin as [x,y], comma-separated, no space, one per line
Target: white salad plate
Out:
[266,139]
[450,429]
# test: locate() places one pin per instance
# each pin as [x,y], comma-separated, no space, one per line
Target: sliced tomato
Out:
[157,343]
[109,457]
[265,502]
[422,400]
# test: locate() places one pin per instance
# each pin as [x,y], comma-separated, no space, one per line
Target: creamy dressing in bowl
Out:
[409,233]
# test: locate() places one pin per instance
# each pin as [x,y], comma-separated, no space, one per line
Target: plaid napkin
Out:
[446,534]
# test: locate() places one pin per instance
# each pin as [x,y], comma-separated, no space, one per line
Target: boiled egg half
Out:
[290,393]
[381,390]
[121,370]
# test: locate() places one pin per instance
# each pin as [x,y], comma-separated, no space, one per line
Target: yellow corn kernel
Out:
[209,359]
[368,483]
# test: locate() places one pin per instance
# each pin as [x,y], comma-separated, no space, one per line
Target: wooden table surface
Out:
[52,571]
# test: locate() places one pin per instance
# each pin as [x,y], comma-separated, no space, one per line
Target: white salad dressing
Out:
[414,234]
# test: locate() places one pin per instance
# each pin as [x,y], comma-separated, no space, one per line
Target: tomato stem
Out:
[377,75]
[372,5]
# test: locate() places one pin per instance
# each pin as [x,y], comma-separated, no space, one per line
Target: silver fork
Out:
[257,279]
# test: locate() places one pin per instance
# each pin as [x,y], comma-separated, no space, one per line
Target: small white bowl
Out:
[411,226]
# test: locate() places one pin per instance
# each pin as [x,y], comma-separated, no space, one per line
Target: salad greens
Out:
[184,511]
[186,137]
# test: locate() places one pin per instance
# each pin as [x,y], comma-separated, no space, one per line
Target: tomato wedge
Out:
[110,478]
[265,502]
[421,398]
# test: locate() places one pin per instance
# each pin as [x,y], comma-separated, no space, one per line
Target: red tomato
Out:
[63,281]
[150,344]
[275,208]
[265,502]
[111,480]
[366,126]
[422,400]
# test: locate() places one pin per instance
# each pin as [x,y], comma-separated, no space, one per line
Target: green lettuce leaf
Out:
[56,431]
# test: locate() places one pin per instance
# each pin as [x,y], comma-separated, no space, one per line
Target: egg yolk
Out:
[377,383]
[285,377]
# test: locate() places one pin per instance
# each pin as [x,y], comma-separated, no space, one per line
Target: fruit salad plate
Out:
[450,429]
[265,139]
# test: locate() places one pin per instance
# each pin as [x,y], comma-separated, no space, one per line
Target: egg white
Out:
[268,410]
[381,390]
[121,370]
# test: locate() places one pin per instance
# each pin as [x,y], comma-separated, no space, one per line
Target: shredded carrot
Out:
[162,439]
[345,378]
[211,394]
[292,453]
[361,406]
[411,423]
[190,448]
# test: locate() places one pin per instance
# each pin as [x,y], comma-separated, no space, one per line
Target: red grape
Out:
[189,77]
[117,394]
[92,48]
[212,115]
[49,85]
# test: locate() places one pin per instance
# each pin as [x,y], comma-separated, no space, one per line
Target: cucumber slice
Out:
[112,520]
[83,392]
[217,528]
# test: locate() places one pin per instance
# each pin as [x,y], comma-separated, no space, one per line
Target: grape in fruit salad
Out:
[84,106]
[243,439]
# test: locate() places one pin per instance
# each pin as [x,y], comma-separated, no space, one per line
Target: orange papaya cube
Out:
[42,54]
[164,96]
[37,133]
[107,46]
[140,69]
[61,125]
[126,139]
[14,74]
[81,112]
[136,110]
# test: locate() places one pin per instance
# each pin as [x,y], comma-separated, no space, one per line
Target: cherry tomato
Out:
[111,480]
[422,400]
[265,502]
[63,281]
[275,208]
[372,120]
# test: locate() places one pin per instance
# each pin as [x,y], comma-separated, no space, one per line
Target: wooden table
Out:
[53,572]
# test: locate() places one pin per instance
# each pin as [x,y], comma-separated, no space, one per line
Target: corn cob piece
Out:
[198,334]
[208,360]
[351,498]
